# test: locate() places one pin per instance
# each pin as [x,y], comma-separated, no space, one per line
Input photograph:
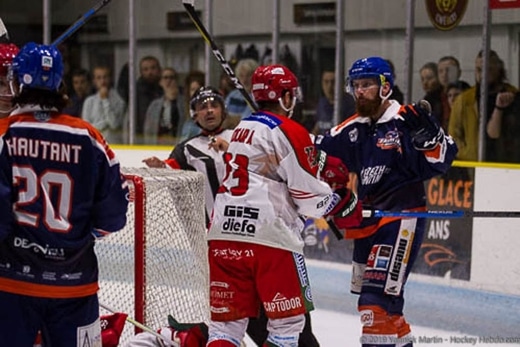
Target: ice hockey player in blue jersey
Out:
[60,189]
[390,150]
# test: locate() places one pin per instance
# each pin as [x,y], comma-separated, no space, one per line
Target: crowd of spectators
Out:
[163,116]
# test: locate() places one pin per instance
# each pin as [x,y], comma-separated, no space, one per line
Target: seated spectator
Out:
[325,106]
[465,120]
[434,93]
[504,126]
[147,89]
[193,81]
[454,89]
[236,105]
[105,110]
[164,115]
[81,88]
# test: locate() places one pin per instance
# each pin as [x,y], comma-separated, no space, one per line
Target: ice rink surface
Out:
[440,315]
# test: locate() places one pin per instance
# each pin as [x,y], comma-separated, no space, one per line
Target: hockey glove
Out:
[112,326]
[425,132]
[347,212]
[332,171]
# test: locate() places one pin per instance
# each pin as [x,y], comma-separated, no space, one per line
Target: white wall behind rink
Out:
[495,261]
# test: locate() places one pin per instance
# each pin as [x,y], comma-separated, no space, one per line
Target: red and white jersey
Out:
[270,181]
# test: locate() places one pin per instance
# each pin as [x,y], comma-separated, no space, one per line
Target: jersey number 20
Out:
[32,187]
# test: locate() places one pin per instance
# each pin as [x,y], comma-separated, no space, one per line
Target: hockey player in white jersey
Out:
[255,248]
[208,110]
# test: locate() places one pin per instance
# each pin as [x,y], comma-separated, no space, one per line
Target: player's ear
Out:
[386,88]
[287,99]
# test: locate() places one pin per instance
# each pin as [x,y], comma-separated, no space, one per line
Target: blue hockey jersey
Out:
[60,187]
[390,172]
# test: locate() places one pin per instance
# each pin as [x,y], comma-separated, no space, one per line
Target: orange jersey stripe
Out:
[47,291]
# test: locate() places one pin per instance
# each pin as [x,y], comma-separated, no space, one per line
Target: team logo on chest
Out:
[391,140]
[353,135]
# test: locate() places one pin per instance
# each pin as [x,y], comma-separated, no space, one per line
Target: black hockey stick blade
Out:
[190,9]
[80,22]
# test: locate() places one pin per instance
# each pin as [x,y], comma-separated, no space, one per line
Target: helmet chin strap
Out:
[291,108]
[384,98]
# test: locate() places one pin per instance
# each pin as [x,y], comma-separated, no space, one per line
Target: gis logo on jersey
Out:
[239,220]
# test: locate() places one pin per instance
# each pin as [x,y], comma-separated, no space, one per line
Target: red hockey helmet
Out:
[271,81]
[7,53]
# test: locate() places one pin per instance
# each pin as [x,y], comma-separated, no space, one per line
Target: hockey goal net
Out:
[157,265]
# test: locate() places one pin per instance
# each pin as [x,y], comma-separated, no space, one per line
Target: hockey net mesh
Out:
[174,267]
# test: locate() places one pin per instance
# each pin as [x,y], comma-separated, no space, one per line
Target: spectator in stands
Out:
[464,118]
[192,82]
[226,86]
[105,110]
[81,89]
[236,105]
[325,107]
[164,115]
[147,89]
[397,94]
[448,68]
[504,126]
[434,93]
[454,89]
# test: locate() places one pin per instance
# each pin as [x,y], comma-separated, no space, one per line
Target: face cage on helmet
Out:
[382,80]
[203,100]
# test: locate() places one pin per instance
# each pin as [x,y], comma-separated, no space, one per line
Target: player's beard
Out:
[368,108]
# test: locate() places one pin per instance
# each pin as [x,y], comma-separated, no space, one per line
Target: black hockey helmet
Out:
[204,94]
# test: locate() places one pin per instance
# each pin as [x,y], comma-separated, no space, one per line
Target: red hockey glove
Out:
[111,328]
[348,211]
[332,171]
[186,334]
[425,132]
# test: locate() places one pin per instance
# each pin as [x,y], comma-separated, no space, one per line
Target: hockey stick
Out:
[189,6]
[441,214]
[142,327]
[80,22]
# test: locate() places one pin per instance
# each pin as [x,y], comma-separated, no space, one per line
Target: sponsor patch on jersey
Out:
[266,119]
[302,270]
[367,317]
[379,257]
[399,259]
[281,304]
[390,141]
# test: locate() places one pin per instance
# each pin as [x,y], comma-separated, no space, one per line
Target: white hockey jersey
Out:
[271,171]
[193,154]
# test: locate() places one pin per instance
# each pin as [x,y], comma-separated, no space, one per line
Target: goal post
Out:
[157,265]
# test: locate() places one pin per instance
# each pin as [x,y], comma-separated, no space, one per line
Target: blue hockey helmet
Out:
[371,67]
[39,67]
